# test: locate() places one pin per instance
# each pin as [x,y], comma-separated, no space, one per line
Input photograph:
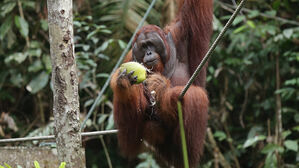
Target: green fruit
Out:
[139,70]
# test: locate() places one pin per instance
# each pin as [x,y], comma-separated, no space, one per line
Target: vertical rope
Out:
[183,135]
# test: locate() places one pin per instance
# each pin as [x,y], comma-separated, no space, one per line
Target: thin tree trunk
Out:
[278,127]
[65,83]
[217,153]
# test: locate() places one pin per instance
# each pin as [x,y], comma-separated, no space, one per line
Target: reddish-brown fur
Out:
[191,33]
[196,18]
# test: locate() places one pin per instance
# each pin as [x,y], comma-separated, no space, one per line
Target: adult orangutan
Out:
[148,111]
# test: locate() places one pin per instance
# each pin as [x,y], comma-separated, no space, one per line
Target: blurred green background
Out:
[253,75]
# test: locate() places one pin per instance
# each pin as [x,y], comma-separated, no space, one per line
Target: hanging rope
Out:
[212,48]
[99,98]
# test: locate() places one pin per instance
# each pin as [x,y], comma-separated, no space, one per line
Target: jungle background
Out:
[253,77]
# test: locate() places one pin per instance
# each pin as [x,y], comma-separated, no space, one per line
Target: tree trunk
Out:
[278,126]
[65,83]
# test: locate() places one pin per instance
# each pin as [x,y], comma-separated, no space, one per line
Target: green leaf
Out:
[34,52]
[102,75]
[276,4]
[22,25]
[102,118]
[86,28]
[110,124]
[95,40]
[253,14]
[1,166]
[286,133]
[5,27]
[103,56]
[286,93]
[278,37]
[103,47]
[88,102]
[17,57]
[86,47]
[20,57]
[38,83]
[143,165]
[47,62]
[36,164]
[7,165]
[106,31]
[89,123]
[35,44]
[6,8]
[122,44]
[91,34]
[91,63]
[294,81]
[220,135]
[239,29]
[77,24]
[288,33]
[291,145]
[271,13]
[252,141]
[62,165]
[217,26]
[89,18]
[16,79]
[238,19]
[289,110]
[251,24]
[268,29]
[271,30]
[29,4]
[270,148]
[36,66]
[44,25]
[270,161]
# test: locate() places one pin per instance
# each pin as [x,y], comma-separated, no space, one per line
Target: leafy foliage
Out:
[243,87]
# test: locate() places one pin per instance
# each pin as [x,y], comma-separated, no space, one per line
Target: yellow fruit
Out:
[139,70]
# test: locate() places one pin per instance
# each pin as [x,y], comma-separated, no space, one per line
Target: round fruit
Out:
[139,70]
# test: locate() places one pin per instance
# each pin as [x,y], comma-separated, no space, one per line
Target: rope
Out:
[99,98]
[212,48]
[50,137]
